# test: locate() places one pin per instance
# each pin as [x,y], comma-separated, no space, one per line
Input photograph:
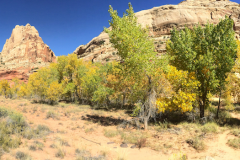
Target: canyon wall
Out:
[161,20]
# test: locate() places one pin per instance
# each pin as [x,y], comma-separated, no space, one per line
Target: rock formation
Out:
[23,53]
[161,20]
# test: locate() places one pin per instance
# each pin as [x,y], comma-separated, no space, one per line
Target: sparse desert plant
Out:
[61,142]
[24,110]
[40,131]
[82,154]
[141,142]
[67,113]
[32,148]
[35,108]
[121,154]
[235,132]
[52,114]
[87,130]
[105,150]
[61,153]
[196,143]
[39,145]
[22,156]
[235,143]
[110,133]
[190,126]
[210,128]
[161,126]
[155,146]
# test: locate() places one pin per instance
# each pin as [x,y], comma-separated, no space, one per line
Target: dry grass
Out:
[235,143]
[141,142]
[52,114]
[235,132]
[110,133]
[197,143]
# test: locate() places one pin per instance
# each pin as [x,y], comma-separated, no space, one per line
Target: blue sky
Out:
[65,24]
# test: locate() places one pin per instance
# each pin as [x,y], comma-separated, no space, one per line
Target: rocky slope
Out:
[23,53]
[161,20]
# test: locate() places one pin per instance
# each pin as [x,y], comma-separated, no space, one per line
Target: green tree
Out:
[209,52]
[138,57]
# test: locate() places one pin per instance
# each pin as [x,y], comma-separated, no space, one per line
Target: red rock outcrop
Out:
[161,20]
[23,53]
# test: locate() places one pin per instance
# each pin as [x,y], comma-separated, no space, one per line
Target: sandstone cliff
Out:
[161,20]
[23,53]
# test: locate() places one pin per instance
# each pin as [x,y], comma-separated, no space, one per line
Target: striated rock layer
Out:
[23,53]
[161,20]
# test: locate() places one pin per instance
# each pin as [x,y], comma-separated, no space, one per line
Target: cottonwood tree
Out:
[138,58]
[209,52]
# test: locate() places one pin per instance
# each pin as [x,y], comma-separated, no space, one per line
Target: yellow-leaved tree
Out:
[183,91]
[4,88]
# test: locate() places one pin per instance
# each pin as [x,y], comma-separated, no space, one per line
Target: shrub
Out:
[235,132]
[196,143]
[141,142]
[52,114]
[110,133]
[210,128]
[235,143]
[60,153]
[22,156]
[32,148]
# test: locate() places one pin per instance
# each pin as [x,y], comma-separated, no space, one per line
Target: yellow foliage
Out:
[54,91]
[183,92]
[233,86]
[4,87]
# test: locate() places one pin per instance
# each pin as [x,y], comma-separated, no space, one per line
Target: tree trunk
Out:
[202,110]
[145,123]
[123,100]
[147,115]
[219,102]
[202,103]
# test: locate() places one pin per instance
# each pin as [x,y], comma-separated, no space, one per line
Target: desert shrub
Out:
[32,148]
[61,153]
[52,114]
[161,126]
[235,143]
[110,133]
[189,126]
[22,156]
[141,142]
[196,143]
[82,154]
[11,125]
[88,130]
[39,145]
[210,128]
[235,132]
[39,132]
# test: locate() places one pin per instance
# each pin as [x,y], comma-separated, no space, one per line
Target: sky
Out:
[66,24]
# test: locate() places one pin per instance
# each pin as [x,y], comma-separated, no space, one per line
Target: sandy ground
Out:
[72,129]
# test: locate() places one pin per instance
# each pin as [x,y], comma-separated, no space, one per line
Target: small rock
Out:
[124,145]
[110,142]
[134,146]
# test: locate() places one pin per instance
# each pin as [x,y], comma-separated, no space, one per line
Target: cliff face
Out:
[161,21]
[23,53]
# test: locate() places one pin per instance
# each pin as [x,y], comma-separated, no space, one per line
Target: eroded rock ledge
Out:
[161,20]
